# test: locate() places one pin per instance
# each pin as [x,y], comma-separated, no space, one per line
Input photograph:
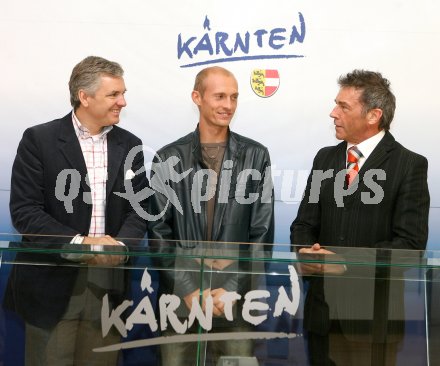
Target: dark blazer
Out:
[41,293]
[398,221]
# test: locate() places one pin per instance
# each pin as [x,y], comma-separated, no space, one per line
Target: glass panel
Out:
[251,305]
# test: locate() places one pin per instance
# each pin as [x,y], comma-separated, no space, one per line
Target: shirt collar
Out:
[82,132]
[367,146]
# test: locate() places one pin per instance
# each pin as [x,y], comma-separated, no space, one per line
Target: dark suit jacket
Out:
[41,293]
[398,221]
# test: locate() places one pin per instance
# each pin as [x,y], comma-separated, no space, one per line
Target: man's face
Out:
[351,124]
[103,109]
[218,103]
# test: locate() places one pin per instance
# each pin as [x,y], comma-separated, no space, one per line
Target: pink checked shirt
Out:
[94,150]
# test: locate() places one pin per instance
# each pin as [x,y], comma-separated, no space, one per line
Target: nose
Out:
[121,101]
[333,113]
[229,103]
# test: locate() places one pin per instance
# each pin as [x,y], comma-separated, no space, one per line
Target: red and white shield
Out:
[265,82]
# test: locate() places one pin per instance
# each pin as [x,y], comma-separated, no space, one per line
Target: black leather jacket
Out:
[235,218]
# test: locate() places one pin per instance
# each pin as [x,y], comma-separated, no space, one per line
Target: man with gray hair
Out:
[344,212]
[63,191]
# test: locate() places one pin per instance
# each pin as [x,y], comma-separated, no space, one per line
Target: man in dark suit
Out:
[64,191]
[379,200]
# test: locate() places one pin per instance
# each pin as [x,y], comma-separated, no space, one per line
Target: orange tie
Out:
[353,156]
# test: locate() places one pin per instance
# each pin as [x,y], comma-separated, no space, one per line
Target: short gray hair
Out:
[86,76]
[376,93]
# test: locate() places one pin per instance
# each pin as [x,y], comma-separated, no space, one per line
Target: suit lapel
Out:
[377,158]
[379,154]
[341,157]
[115,151]
[71,150]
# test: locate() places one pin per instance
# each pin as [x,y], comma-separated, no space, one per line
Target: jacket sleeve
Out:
[261,230]
[161,236]
[134,224]
[28,194]
[409,222]
[305,228]
[262,223]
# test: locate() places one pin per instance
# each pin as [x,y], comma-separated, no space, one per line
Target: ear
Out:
[374,116]
[196,97]
[82,95]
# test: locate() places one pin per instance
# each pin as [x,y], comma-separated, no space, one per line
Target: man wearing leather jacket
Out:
[213,203]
